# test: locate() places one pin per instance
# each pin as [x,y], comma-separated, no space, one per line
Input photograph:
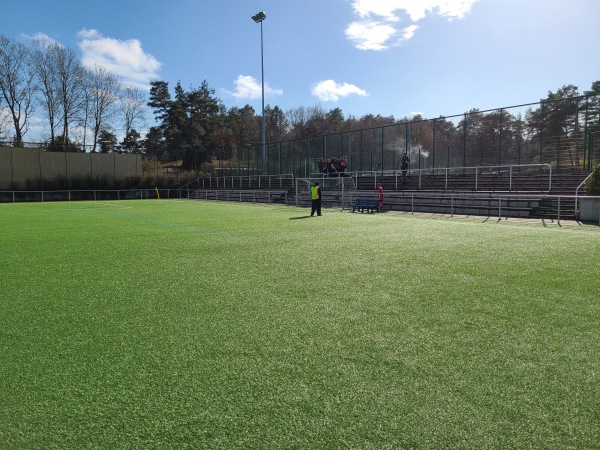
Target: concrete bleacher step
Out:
[548,207]
[436,194]
[563,183]
[468,205]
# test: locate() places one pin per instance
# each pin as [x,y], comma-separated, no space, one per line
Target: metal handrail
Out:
[446,171]
[239,195]
[210,177]
[577,194]
[89,194]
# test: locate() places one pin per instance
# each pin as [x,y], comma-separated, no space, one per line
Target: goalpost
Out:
[335,191]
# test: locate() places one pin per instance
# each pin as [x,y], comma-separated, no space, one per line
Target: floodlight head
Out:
[259,17]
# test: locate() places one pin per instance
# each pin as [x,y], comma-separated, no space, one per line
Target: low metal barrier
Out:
[87,194]
[244,195]
[257,181]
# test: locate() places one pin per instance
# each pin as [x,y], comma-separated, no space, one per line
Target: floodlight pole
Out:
[258,18]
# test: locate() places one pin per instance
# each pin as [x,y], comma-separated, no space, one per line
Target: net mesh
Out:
[335,191]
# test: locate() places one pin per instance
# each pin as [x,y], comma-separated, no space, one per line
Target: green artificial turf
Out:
[183,324]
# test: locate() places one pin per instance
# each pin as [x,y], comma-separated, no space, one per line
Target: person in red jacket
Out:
[380,189]
[343,166]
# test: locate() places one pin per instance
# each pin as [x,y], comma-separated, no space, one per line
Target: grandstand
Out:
[507,191]
[518,161]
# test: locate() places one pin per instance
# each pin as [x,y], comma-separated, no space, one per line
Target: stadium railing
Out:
[248,181]
[88,194]
[579,187]
[241,195]
[500,205]
[508,171]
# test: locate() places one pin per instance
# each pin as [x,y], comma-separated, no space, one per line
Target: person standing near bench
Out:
[380,189]
[315,196]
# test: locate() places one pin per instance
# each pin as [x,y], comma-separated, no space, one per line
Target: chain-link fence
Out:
[563,133]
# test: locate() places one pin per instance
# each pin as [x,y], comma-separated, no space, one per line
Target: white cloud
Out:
[5,120]
[379,19]
[43,38]
[416,9]
[329,90]
[409,32]
[248,88]
[370,35]
[126,59]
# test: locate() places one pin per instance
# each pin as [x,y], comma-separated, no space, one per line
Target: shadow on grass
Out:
[299,217]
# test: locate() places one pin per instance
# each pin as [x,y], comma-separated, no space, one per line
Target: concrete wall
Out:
[17,165]
[589,209]
[125,166]
[5,168]
[54,165]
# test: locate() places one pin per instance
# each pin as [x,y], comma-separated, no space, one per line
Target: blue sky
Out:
[388,57]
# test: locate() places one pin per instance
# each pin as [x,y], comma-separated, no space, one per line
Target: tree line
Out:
[551,131]
[195,126]
[47,82]
[89,106]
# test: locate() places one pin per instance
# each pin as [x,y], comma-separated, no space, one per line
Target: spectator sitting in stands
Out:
[323,165]
[332,169]
[343,166]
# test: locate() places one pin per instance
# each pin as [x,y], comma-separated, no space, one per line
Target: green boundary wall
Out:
[17,165]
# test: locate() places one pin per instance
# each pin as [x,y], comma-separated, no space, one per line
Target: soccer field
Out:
[187,324]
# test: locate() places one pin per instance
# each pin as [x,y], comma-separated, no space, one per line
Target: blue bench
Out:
[368,204]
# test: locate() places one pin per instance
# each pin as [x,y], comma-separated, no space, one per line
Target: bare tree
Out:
[43,62]
[86,106]
[305,122]
[16,85]
[133,108]
[71,88]
[102,89]
[297,118]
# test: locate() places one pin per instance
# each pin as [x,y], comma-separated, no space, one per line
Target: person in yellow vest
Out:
[315,196]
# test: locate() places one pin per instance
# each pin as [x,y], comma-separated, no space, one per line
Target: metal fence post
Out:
[499,207]
[446,185]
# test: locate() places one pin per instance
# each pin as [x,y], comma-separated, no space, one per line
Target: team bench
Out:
[368,204]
